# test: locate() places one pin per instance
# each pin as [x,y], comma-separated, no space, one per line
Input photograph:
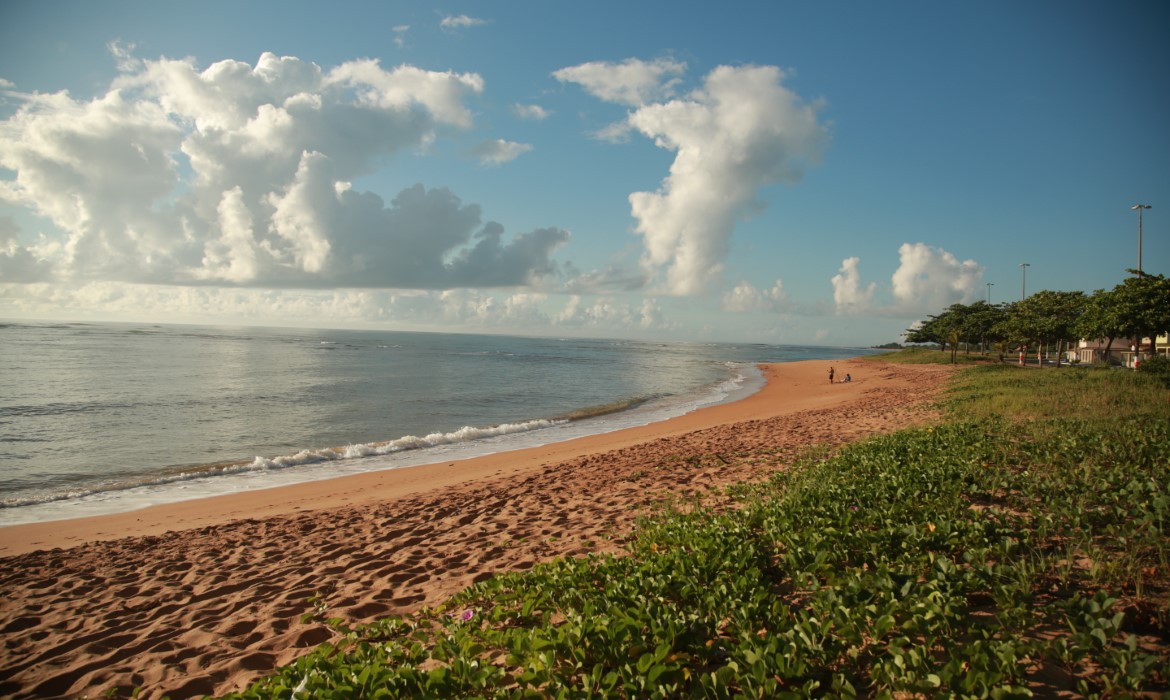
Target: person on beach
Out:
[848,378]
[831,372]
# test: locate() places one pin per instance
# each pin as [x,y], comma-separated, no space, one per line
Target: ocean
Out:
[102,418]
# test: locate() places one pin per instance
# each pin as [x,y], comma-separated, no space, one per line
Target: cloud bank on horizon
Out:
[240,177]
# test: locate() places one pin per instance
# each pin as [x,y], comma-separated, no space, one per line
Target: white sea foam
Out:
[409,442]
[298,459]
[316,464]
[111,417]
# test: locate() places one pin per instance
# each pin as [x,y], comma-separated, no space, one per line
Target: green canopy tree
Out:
[970,324]
[1044,318]
[1011,328]
[980,323]
[1143,306]
[932,330]
[1137,308]
[1101,319]
[946,329]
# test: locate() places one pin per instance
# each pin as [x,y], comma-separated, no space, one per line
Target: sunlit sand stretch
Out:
[205,596]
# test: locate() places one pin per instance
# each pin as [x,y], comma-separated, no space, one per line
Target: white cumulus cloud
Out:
[497,151]
[617,132]
[931,279]
[609,313]
[123,52]
[928,279]
[745,297]
[398,33]
[460,22]
[848,293]
[631,82]
[533,112]
[440,93]
[743,130]
[20,263]
[239,175]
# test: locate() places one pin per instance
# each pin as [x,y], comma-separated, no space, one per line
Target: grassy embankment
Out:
[929,356]
[1019,547]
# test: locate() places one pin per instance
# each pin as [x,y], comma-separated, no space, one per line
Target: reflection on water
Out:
[84,406]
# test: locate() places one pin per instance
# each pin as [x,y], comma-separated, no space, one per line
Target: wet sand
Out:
[205,596]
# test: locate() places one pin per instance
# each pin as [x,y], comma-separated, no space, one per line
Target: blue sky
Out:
[805,173]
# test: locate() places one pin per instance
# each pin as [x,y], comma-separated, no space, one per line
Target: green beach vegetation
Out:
[1018,547]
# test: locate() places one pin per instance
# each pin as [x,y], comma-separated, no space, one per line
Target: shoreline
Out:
[197,482]
[388,484]
[203,597]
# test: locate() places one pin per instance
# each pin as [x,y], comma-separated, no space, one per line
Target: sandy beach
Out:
[204,596]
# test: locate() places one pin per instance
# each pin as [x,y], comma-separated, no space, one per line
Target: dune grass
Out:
[928,356]
[1017,548]
[1081,393]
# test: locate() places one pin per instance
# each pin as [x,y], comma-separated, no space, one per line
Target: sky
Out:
[810,173]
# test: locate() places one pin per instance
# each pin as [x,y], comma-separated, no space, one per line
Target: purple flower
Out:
[464,616]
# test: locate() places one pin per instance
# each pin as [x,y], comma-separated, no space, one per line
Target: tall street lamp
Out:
[989,286]
[1139,208]
[1024,279]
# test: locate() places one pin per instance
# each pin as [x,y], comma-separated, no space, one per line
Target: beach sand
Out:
[205,596]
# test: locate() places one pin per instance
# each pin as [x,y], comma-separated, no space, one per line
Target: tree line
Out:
[1137,308]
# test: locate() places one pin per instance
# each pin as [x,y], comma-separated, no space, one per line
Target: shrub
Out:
[1157,367]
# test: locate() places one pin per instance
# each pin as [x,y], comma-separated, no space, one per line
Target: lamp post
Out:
[989,286]
[1024,279]
[1139,208]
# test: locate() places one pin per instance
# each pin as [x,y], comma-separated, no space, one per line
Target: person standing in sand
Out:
[831,372]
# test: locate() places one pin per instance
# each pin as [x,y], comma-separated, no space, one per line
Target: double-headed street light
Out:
[989,286]
[1139,208]
[1024,280]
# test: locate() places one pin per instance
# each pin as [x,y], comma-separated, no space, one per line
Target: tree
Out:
[1139,307]
[960,323]
[1012,328]
[1101,319]
[928,331]
[946,329]
[1142,304]
[1043,318]
[980,322]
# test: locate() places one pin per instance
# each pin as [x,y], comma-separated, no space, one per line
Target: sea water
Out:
[102,418]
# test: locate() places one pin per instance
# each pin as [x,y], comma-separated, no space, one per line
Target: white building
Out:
[1122,352]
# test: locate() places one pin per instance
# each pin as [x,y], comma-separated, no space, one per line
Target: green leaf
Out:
[645,661]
